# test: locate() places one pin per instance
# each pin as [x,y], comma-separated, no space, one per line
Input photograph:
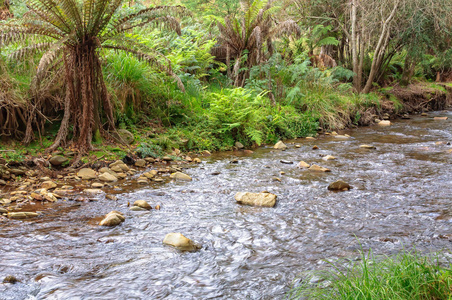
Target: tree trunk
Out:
[408,70]
[354,44]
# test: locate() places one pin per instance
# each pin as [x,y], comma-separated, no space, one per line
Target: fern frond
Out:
[28,51]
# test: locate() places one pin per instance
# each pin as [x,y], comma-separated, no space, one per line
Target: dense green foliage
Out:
[407,276]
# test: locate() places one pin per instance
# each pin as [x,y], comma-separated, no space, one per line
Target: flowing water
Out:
[402,197]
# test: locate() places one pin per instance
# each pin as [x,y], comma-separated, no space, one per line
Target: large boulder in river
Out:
[256,199]
[180,242]
[113,218]
[339,186]
[280,146]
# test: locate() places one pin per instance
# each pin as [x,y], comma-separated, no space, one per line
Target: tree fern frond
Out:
[152,60]
[30,50]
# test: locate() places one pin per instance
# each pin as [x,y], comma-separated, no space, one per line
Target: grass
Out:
[408,275]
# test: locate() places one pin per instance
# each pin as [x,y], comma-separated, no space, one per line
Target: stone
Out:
[50,197]
[315,147]
[384,123]
[167,158]
[303,165]
[256,199]
[36,197]
[93,191]
[21,215]
[440,118]
[180,176]
[3,210]
[180,242]
[10,279]
[367,147]
[142,204]
[17,172]
[150,160]
[317,168]
[197,160]
[297,146]
[280,146]
[328,157]
[310,138]
[142,181]
[48,185]
[125,136]
[140,163]
[424,114]
[116,168]
[58,160]
[248,151]
[2,182]
[137,208]
[239,145]
[97,185]
[188,158]
[287,162]
[113,218]
[86,174]
[151,174]
[121,175]
[206,153]
[276,179]
[339,186]
[107,177]
[333,133]
[342,137]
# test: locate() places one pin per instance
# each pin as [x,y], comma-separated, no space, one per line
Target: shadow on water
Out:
[401,197]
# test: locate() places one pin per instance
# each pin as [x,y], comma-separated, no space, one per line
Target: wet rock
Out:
[424,114]
[234,161]
[215,173]
[86,174]
[188,158]
[142,204]
[328,157]
[150,160]
[107,177]
[367,147]
[48,185]
[333,133]
[239,145]
[384,123]
[36,197]
[405,117]
[276,179]
[142,180]
[287,162]
[317,168]
[342,137]
[180,242]
[151,174]
[315,147]
[121,175]
[256,199]
[197,160]
[206,153]
[180,176]
[140,163]
[2,182]
[93,191]
[137,208]
[3,210]
[111,197]
[97,185]
[167,158]
[21,215]
[339,186]
[297,146]
[440,118]
[248,151]
[310,138]
[10,279]
[50,197]
[58,160]
[113,218]
[280,146]
[303,165]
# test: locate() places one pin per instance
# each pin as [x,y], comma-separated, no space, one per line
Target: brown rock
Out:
[316,168]
[142,204]
[180,242]
[339,186]
[256,199]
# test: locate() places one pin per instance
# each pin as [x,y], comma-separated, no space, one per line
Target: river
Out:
[402,197]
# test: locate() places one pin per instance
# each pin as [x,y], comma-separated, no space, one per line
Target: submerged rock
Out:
[367,147]
[280,146]
[287,162]
[137,208]
[21,215]
[113,218]
[328,157]
[317,168]
[180,242]
[10,279]
[256,199]
[339,186]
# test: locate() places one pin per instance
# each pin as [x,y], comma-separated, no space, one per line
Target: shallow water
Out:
[402,197]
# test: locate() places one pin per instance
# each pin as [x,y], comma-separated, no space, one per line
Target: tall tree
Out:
[74,34]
